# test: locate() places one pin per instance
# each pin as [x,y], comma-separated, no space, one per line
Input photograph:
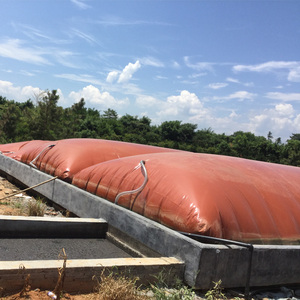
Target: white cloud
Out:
[242,95]
[151,61]
[285,110]
[14,49]
[199,66]
[294,75]
[17,93]
[81,78]
[233,80]
[217,85]
[233,114]
[267,66]
[87,37]
[80,4]
[65,58]
[185,98]
[239,95]
[93,95]
[185,105]
[229,79]
[280,120]
[112,76]
[284,96]
[128,71]
[296,123]
[197,75]
[159,77]
[175,65]
[125,75]
[147,101]
[293,68]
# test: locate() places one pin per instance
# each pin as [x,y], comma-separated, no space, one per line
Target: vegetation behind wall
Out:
[45,120]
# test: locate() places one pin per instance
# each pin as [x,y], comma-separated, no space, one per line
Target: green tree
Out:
[10,116]
[291,155]
[110,114]
[48,122]
[170,130]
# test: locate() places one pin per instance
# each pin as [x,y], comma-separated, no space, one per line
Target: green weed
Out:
[215,292]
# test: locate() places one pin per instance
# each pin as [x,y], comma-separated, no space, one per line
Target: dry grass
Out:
[117,287]
[36,208]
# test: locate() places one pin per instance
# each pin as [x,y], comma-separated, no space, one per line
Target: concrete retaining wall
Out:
[271,265]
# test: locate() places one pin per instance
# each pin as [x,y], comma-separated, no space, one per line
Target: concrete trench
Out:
[199,264]
[33,245]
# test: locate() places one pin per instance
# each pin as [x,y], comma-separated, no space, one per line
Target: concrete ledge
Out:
[271,265]
[47,227]
[80,273]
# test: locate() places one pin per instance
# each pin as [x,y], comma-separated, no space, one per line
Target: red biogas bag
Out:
[30,152]
[213,195]
[11,150]
[64,158]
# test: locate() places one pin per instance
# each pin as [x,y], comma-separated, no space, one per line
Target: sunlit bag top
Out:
[64,158]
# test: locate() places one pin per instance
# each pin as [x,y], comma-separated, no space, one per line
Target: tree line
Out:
[43,119]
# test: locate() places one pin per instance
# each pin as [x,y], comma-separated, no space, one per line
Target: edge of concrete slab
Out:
[204,263]
[47,227]
[79,274]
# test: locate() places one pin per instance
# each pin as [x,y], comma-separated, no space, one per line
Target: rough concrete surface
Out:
[49,249]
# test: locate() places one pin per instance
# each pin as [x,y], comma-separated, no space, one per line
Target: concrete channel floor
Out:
[49,249]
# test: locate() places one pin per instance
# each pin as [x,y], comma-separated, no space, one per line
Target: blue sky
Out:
[224,65]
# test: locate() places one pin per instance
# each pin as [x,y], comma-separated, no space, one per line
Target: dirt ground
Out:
[18,204]
[43,295]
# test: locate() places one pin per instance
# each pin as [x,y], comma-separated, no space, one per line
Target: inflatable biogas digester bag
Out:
[215,195]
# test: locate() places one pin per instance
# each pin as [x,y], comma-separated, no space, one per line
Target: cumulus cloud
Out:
[284,96]
[184,104]
[17,93]
[125,75]
[280,120]
[92,95]
[147,101]
[285,110]
[128,71]
[13,48]
[112,76]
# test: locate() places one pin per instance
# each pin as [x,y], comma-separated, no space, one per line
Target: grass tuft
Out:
[36,208]
[117,287]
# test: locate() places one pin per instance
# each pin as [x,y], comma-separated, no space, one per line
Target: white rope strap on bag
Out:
[33,161]
[144,172]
